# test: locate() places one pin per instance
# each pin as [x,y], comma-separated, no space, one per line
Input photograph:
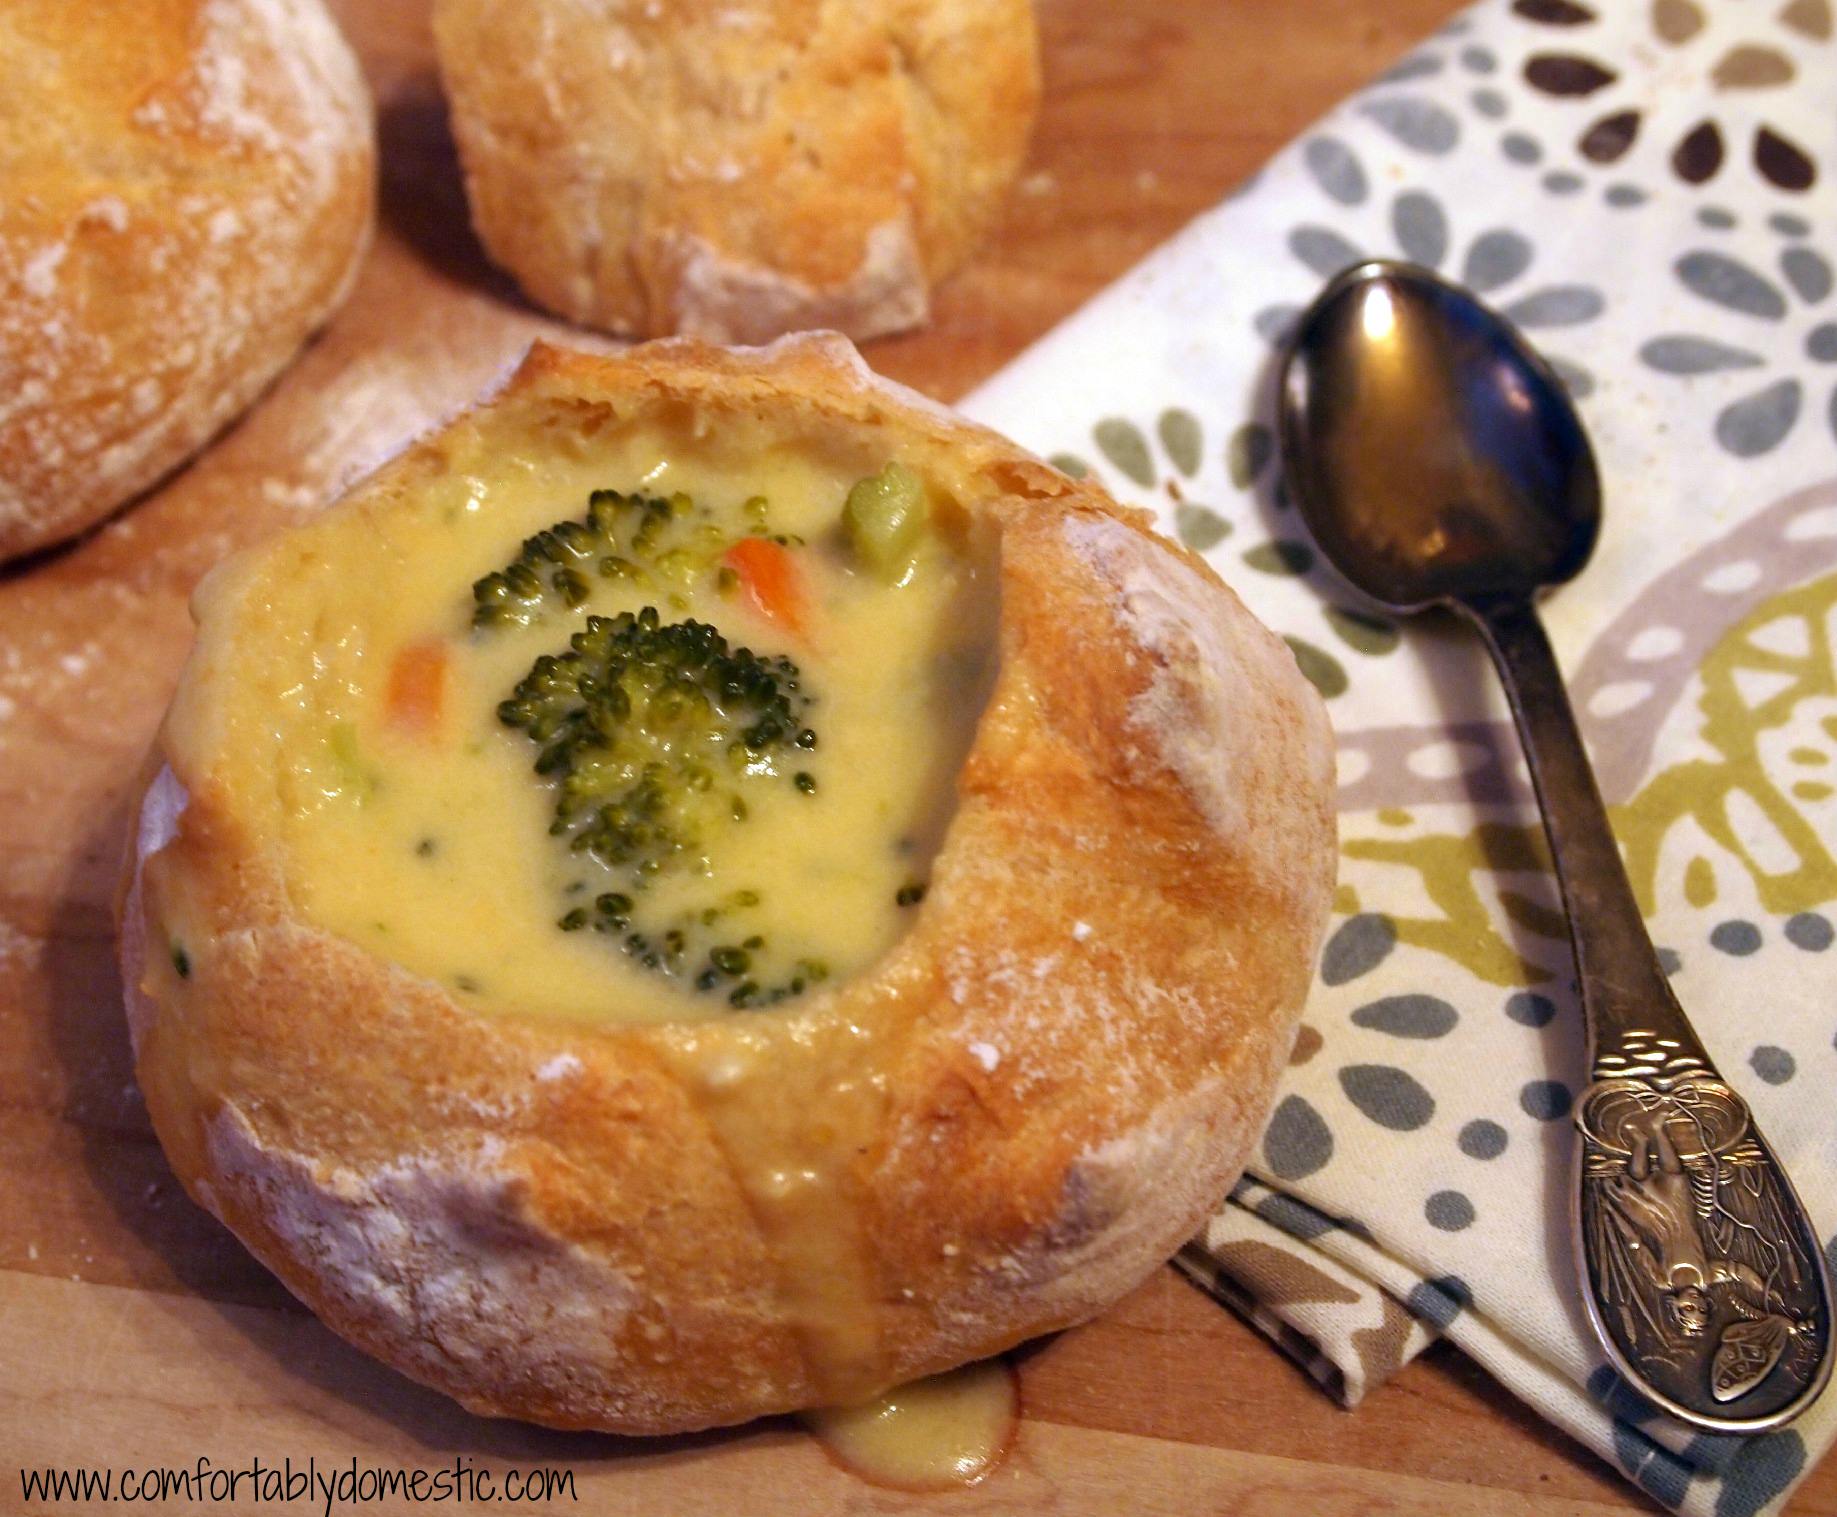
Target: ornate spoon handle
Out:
[1701,1272]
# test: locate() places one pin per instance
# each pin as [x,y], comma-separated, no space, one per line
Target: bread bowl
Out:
[738,170]
[524,1164]
[186,189]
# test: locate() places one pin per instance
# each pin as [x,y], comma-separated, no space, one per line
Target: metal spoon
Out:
[1438,461]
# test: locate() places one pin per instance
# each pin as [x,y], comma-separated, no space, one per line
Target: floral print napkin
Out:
[1650,191]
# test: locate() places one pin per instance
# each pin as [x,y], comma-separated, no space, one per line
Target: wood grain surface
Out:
[134,1331]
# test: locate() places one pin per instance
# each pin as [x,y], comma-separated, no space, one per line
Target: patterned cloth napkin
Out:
[1650,192]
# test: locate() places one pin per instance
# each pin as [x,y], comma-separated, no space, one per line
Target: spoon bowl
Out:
[1403,388]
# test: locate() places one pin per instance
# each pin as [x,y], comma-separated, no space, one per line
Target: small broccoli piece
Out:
[645,727]
[885,516]
[639,539]
[350,773]
[647,731]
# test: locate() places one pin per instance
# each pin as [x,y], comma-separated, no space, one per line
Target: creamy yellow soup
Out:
[458,809]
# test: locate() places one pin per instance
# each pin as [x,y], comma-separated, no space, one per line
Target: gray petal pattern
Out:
[1760,1469]
[1757,423]
[1731,283]
[1496,258]
[1810,931]
[1416,66]
[1657,1471]
[1124,446]
[1181,438]
[1773,1064]
[1415,121]
[1358,946]
[1483,1139]
[1408,1016]
[1336,169]
[1695,355]
[1297,1141]
[1449,1210]
[1520,147]
[1562,305]
[1439,1301]
[1528,1009]
[1247,450]
[1807,273]
[1420,227]
[1323,250]
[1388,1096]
[1545,1100]
[1295,1218]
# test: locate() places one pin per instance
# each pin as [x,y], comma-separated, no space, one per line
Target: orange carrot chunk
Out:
[417,688]
[771,582]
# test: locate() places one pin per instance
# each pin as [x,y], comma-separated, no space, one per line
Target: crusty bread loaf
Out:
[185,190]
[740,169]
[993,1132]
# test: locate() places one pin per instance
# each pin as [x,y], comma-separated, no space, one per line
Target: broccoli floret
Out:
[650,732]
[642,722]
[642,540]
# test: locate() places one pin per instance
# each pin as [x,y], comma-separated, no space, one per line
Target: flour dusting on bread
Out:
[1218,668]
[432,1250]
[726,299]
[173,234]
[739,170]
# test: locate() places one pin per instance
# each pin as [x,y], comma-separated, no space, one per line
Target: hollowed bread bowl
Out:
[658,1211]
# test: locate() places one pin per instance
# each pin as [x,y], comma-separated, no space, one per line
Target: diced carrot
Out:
[417,687]
[771,582]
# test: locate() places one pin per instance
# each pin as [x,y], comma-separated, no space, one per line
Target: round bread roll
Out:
[531,1124]
[185,192]
[738,169]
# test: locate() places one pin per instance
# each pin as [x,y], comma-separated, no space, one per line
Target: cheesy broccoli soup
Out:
[652,724]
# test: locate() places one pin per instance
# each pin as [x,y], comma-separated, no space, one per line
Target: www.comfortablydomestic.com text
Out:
[307,1483]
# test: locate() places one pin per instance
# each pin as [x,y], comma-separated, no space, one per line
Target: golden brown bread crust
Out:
[185,191]
[736,169]
[1027,1105]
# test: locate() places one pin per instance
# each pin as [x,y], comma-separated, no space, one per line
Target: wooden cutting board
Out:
[134,1331]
